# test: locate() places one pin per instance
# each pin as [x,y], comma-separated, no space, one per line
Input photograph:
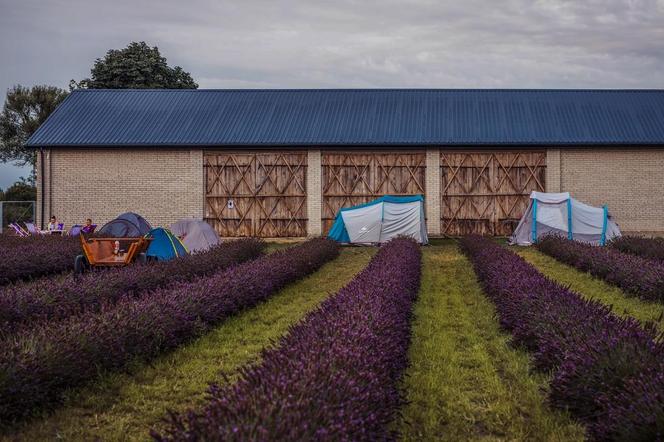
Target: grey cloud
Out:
[345,43]
[471,43]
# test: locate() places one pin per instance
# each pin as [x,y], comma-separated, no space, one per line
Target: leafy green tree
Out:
[137,66]
[22,190]
[24,110]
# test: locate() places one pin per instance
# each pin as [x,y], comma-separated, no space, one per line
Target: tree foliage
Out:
[19,191]
[24,110]
[137,66]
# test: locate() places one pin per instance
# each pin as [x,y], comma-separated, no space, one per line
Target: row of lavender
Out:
[607,371]
[639,276]
[25,304]
[652,248]
[38,365]
[35,256]
[332,377]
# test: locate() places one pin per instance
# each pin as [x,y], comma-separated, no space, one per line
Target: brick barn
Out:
[280,163]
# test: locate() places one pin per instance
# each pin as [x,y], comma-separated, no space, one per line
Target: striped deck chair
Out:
[32,229]
[20,231]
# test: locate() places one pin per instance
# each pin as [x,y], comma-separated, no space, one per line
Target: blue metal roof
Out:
[354,117]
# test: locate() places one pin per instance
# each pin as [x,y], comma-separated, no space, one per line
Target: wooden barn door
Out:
[486,193]
[351,178]
[256,194]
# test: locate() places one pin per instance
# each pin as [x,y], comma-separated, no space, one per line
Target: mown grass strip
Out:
[593,288]
[465,382]
[126,406]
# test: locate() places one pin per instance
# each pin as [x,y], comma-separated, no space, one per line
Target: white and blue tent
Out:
[380,220]
[560,214]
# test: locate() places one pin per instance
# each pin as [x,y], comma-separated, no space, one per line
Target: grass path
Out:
[591,287]
[465,382]
[126,406]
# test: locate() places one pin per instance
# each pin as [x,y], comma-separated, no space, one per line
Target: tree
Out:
[24,110]
[21,190]
[137,66]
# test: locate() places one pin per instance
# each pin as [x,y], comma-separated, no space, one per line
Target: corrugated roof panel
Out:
[342,117]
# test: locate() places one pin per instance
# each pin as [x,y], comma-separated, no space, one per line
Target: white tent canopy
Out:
[560,214]
[381,220]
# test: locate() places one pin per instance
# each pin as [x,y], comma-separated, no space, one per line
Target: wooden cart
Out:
[100,252]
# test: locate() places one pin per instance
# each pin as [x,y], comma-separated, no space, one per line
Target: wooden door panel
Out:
[486,193]
[267,190]
[352,178]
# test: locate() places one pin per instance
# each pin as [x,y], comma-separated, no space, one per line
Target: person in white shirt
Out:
[53,224]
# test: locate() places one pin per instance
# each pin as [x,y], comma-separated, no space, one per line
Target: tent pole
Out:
[534,225]
[604,223]
[570,234]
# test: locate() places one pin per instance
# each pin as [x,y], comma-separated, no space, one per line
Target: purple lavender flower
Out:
[36,256]
[26,304]
[38,365]
[334,376]
[639,276]
[597,359]
[652,248]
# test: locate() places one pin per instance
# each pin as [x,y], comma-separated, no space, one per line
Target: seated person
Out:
[53,224]
[88,227]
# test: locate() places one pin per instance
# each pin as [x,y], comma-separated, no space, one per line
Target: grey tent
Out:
[380,220]
[560,214]
[195,234]
[127,225]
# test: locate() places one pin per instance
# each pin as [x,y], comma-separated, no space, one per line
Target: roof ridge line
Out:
[267,90]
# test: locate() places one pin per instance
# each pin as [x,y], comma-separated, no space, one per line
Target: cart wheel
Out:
[142,258]
[80,264]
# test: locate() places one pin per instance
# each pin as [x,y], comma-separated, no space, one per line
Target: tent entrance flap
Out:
[380,220]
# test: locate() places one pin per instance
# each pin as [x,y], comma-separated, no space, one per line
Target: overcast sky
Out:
[340,43]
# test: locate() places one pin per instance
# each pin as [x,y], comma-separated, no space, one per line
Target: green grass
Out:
[593,288]
[465,381]
[126,406]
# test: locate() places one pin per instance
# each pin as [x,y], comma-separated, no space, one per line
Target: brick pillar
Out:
[197,173]
[553,181]
[40,186]
[314,193]
[432,198]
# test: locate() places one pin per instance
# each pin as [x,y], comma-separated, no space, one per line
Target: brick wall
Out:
[432,186]
[163,185]
[552,183]
[630,181]
[314,193]
[167,184]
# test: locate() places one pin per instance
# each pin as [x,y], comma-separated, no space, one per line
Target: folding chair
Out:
[60,230]
[87,230]
[75,230]
[32,229]
[19,230]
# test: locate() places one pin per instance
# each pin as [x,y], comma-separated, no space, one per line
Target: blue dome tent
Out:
[164,245]
[380,220]
[127,225]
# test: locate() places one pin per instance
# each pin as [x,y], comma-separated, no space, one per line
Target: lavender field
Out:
[458,340]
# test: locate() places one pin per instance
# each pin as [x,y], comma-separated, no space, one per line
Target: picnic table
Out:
[53,232]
